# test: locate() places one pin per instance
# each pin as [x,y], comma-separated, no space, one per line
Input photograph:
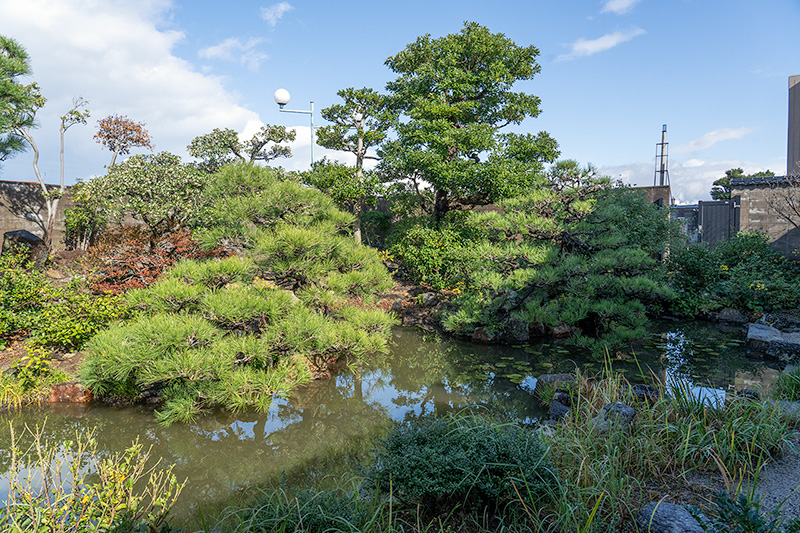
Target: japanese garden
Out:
[463,330]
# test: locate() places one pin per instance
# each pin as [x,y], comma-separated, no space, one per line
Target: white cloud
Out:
[117,55]
[711,138]
[275,12]
[690,180]
[619,7]
[588,47]
[233,49]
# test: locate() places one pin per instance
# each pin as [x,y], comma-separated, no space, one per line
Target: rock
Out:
[428,299]
[765,340]
[546,380]
[547,428]
[791,409]
[617,414]
[397,306]
[481,335]
[562,397]
[516,331]
[558,410]
[561,330]
[646,393]
[38,251]
[52,273]
[749,394]
[733,316]
[72,392]
[663,517]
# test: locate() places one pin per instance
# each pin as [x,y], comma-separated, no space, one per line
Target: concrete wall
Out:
[755,216]
[793,150]
[22,206]
[657,193]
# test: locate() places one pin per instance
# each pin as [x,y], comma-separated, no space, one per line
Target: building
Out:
[793,148]
[769,205]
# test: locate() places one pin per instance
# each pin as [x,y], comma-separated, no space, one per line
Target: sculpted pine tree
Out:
[359,124]
[119,134]
[456,94]
[222,146]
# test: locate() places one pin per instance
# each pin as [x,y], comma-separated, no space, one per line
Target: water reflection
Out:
[423,374]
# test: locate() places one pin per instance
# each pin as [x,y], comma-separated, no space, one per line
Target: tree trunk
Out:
[441,206]
[357,221]
[52,209]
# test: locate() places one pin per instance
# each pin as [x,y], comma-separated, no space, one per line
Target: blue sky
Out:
[612,72]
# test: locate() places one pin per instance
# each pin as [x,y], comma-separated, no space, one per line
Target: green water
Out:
[324,421]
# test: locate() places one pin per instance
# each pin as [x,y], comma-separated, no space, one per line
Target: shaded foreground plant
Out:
[72,487]
[742,514]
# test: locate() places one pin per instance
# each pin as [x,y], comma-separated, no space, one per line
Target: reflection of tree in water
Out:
[705,355]
[443,376]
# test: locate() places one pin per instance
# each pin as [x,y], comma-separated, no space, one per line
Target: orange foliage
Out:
[124,259]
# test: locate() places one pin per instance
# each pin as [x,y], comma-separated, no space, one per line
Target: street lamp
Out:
[282,97]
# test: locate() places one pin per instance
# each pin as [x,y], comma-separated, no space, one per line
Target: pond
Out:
[222,452]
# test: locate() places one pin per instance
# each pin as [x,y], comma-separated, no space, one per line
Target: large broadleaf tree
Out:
[455,95]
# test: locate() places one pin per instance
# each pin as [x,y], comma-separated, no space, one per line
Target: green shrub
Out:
[435,257]
[742,272]
[236,332]
[71,318]
[22,292]
[441,462]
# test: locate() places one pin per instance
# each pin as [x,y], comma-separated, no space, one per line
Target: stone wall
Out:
[755,216]
[22,206]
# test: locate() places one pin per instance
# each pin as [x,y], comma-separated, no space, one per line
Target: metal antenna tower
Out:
[662,159]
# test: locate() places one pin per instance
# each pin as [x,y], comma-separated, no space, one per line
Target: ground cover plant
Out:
[235,332]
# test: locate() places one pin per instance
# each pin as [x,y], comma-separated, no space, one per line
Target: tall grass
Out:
[679,434]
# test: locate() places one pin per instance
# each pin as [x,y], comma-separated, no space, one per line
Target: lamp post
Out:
[282,97]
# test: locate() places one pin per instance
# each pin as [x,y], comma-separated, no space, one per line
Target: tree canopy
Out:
[157,189]
[18,102]
[119,134]
[360,123]
[455,93]
[722,187]
[222,146]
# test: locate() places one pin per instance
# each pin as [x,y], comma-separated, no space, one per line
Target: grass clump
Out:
[787,387]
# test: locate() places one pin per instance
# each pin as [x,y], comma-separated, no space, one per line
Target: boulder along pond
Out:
[424,373]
